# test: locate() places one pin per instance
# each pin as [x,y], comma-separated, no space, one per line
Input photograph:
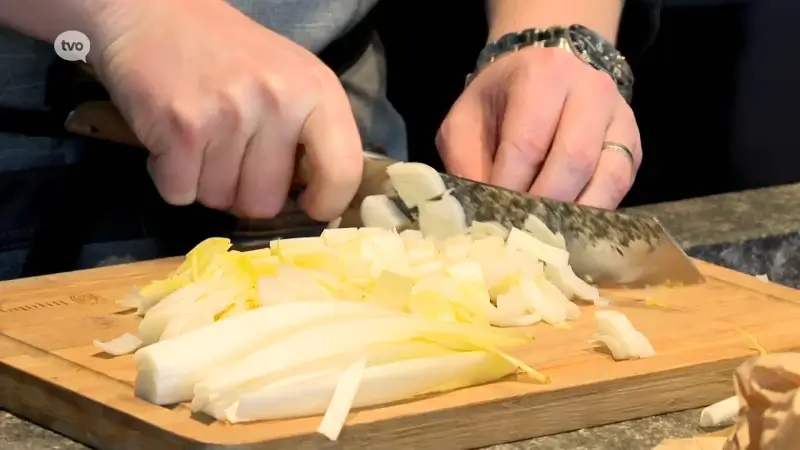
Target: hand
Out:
[536,121]
[223,103]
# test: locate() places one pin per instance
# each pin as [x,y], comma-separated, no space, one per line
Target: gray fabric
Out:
[314,24]
[23,64]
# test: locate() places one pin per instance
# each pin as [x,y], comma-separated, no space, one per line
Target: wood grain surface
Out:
[51,374]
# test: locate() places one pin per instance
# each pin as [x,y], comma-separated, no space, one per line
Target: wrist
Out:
[512,16]
[122,21]
[50,19]
[110,23]
[583,43]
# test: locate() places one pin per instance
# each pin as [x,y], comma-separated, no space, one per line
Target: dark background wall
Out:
[714,97]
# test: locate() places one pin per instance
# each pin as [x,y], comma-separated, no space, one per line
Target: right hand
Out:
[222,104]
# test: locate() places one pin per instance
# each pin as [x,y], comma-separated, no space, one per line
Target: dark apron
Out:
[107,195]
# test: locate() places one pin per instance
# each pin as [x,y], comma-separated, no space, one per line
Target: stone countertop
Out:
[754,231]
[730,218]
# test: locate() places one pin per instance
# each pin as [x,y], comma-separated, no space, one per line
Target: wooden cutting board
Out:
[50,372]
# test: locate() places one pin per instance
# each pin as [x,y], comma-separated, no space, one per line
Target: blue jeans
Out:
[74,205]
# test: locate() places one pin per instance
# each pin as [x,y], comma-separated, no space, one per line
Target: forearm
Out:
[506,16]
[46,19]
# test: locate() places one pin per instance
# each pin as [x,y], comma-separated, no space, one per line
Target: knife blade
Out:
[609,248]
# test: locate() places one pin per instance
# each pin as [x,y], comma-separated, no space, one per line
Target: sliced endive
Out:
[415,182]
[196,263]
[442,218]
[380,211]
[480,230]
[622,339]
[122,345]
[374,355]
[198,299]
[538,229]
[310,394]
[570,284]
[525,243]
[217,392]
[169,369]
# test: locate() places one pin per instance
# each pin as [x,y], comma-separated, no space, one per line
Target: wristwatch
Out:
[584,43]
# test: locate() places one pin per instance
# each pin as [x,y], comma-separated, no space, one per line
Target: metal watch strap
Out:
[553,37]
[511,42]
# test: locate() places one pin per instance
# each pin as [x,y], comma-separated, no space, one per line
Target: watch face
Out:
[600,53]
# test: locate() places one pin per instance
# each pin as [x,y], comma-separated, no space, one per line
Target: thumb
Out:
[333,150]
[467,138]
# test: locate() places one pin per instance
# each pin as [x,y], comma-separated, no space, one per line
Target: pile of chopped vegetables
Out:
[357,316]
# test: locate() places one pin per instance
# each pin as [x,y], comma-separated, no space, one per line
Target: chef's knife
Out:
[609,248]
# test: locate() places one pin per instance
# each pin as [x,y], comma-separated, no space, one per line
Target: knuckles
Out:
[542,65]
[580,159]
[184,126]
[619,181]
[192,118]
[554,65]
[548,65]
[221,199]
[267,209]
[603,85]
[531,145]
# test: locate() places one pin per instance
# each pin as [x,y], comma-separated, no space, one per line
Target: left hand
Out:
[536,121]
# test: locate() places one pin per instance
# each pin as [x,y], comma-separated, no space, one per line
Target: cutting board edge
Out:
[706,383]
[716,386]
[747,281]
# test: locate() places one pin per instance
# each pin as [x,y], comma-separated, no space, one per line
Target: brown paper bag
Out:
[769,388]
[698,443]
[710,441]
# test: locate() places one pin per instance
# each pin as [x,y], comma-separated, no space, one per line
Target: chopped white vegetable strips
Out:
[540,231]
[357,317]
[185,323]
[443,218]
[570,284]
[524,242]
[379,211]
[343,397]
[122,345]
[169,369]
[415,182]
[479,230]
[301,352]
[310,394]
[338,236]
[617,333]
[552,310]
[333,224]
[720,413]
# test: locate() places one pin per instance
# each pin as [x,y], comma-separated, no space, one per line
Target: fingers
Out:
[466,140]
[575,151]
[616,170]
[266,169]
[334,154]
[529,123]
[176,156]
[241,156]
[222,158]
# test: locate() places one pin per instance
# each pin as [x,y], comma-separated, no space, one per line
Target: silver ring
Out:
[608,145]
